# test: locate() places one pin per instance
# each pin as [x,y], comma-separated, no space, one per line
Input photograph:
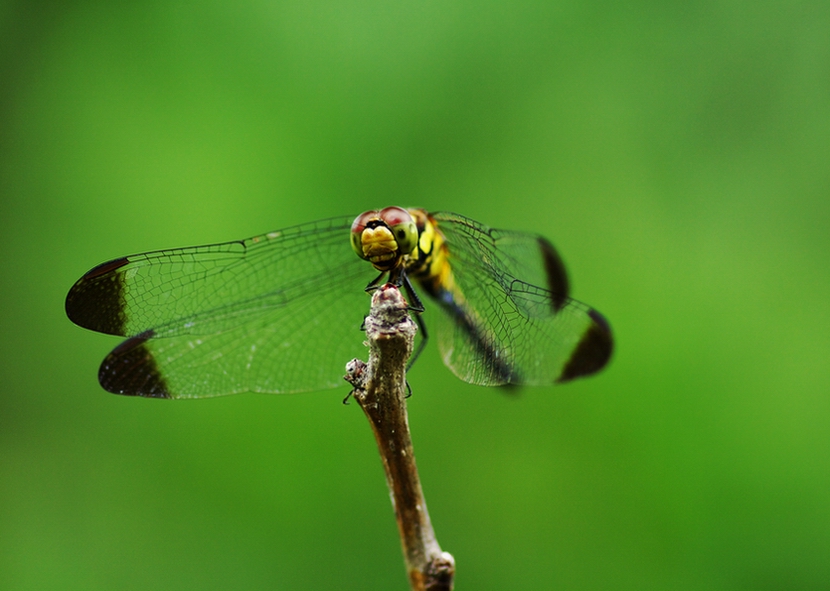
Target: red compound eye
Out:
[359,223]
[394,216]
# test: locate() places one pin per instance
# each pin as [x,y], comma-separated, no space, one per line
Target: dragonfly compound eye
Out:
[403,228]
[358,226]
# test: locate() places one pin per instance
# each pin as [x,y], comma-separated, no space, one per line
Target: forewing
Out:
[275,313]
[513,292]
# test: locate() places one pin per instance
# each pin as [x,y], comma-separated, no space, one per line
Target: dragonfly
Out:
[281,312]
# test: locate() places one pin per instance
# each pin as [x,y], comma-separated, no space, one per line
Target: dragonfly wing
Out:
[511,319]
[275,313]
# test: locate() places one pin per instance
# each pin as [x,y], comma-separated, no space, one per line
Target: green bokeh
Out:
[677,155]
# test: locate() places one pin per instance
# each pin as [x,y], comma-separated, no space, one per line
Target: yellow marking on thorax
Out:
[435,270]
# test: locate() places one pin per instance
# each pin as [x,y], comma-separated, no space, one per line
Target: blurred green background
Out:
[677,155]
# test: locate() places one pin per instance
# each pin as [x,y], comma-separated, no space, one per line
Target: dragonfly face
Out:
[384,237]
[281,312]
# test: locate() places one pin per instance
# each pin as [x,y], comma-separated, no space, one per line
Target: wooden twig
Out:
[380,390]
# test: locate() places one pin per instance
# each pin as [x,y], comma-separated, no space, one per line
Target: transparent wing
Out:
[275,313]
[510,320]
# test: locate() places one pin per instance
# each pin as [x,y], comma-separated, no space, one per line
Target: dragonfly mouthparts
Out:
[379,245]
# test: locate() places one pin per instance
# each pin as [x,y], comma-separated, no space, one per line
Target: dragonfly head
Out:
[383,237]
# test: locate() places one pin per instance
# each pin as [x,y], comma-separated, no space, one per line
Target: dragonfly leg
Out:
[375,283]
[421,344]
[415,304]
